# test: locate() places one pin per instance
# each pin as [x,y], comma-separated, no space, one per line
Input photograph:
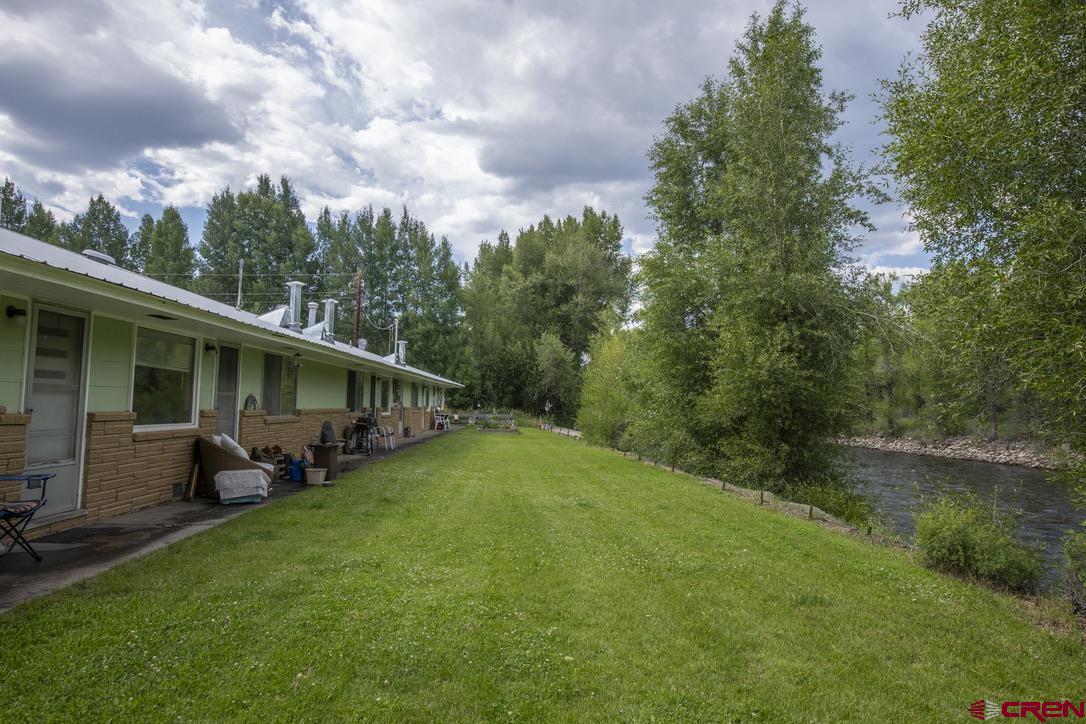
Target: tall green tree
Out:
[171,258]
[277,240]
[266,228]
[140,243]
[377,241]
[408,276]
[431,324]
[555,378]
[887,361]
[221,249]
[41,223]
[337,260]
[986,130]
[610,394]
[99,228]
[749,301]
[12,207]
[561,280]
[986,143]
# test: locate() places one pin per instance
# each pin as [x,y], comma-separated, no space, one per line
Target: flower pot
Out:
[315,476]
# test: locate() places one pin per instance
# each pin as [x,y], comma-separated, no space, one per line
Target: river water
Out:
[898,483]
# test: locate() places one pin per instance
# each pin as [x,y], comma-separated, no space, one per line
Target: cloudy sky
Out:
[476,115]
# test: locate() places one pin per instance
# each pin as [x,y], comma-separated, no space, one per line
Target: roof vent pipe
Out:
[99,257]
[295,290]
[330,317]
[312,314]
[401,352]
[362,344]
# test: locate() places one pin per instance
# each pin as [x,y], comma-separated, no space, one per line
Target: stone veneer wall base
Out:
[13,430]
[127,469]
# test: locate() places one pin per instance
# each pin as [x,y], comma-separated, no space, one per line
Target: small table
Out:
[16,516]
[326,455]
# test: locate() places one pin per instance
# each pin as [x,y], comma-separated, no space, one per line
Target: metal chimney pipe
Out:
[401,352]
[312,313]
[330,316]
[295,291]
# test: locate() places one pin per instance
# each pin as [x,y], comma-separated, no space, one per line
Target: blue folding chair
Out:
[16,516]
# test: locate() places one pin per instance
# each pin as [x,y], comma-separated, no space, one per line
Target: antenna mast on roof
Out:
[358,307]
[241,271]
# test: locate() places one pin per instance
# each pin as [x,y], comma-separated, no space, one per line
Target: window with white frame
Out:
[163,378]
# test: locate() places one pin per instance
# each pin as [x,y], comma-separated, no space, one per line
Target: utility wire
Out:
[259,297]
[263,274]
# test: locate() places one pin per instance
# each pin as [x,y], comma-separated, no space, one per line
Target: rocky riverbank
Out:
[1003,452]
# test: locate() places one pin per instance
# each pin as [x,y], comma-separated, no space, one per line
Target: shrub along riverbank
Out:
[520,577]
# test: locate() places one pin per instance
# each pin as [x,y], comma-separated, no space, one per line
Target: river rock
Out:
[960,447]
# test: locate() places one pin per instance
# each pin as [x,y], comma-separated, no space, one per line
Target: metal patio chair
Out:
[15,516]
[387,436]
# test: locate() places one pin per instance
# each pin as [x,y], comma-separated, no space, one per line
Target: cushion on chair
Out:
[228,443]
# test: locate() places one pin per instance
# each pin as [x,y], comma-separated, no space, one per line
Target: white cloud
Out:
[901,272]
[476,115]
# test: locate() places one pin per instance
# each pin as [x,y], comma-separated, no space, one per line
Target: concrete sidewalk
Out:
[75,554]
[78,553]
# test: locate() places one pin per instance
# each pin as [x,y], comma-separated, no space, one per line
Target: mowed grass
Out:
[485,576]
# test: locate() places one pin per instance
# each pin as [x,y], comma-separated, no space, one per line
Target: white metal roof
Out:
[54,257]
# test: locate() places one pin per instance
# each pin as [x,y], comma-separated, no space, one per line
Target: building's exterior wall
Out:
[12,452]
[419,419]
[208,369]
[252,371]
[290,432]
[294,432]
[321,386]
[128,470]
[12,351]
[109,375]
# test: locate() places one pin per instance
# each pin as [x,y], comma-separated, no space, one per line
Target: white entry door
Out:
[54,397]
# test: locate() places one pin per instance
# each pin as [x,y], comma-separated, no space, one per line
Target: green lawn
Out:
[490,576]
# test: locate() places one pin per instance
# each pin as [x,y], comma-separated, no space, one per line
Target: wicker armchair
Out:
[215,459]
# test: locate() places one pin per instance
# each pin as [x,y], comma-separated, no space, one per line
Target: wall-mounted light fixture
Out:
[16,315]
[297,360]
[211,347]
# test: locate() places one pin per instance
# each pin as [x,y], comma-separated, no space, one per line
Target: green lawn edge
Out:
[483,577]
